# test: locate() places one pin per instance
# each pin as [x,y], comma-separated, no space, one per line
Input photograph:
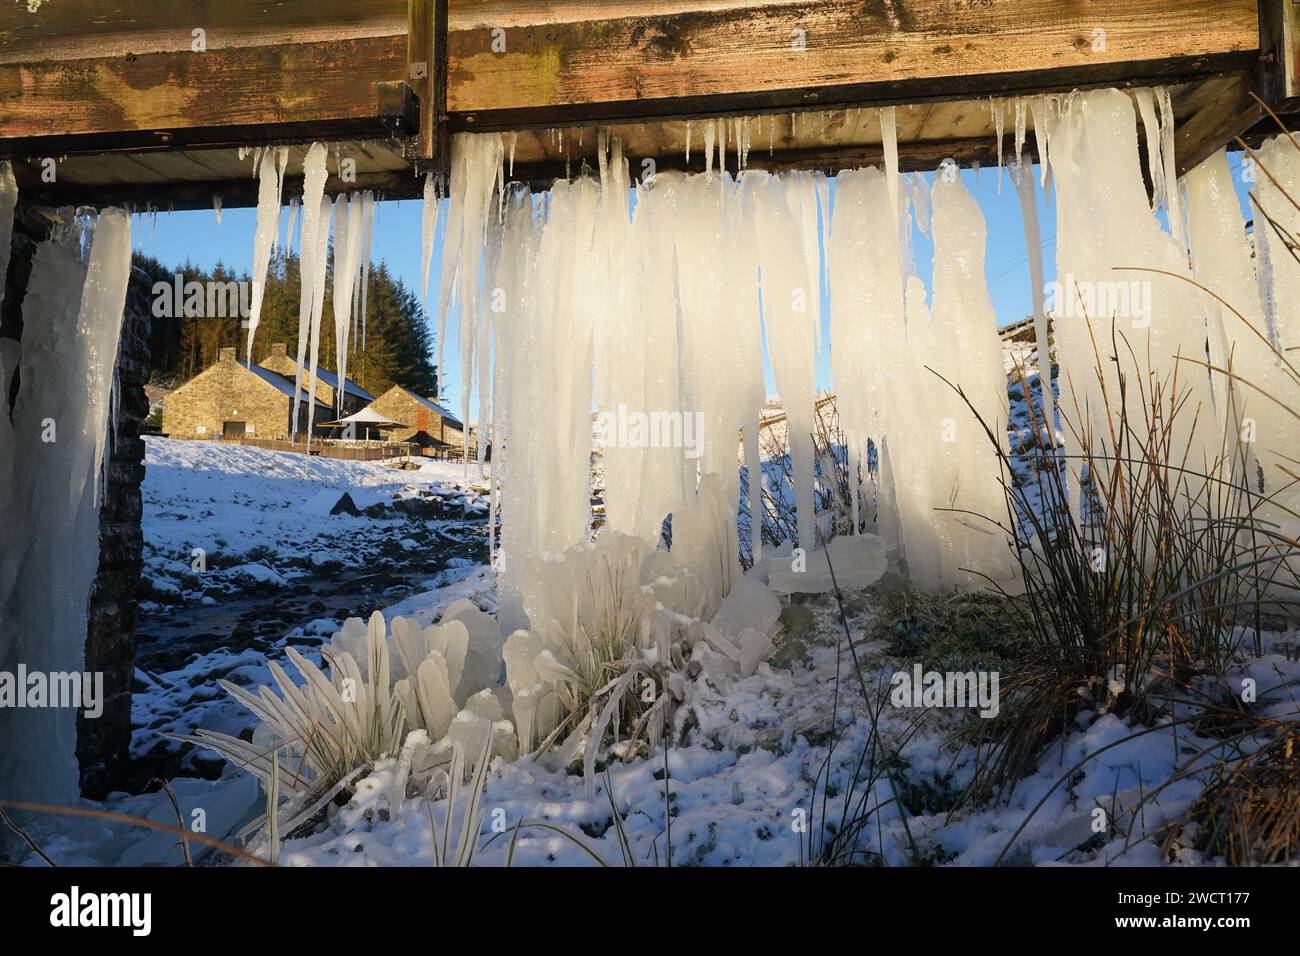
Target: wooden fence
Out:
[347,451]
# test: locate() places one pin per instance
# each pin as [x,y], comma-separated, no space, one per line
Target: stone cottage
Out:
[427,423]
[233,400]
[355,397]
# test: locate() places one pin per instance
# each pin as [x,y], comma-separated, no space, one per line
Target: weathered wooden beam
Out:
[1215,125]
[156,98]
[63,30]
[426,57]
[515,65]
[1279,29]
[234,193]
[917,156]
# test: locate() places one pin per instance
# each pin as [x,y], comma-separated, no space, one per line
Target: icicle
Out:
[288,232]
[1173,199]
[72,319]
[789,333]
[347,250]
[367,233]
[710,131]
[688,142]
[889,146]
[268,222]
[919,190]
[216,207]
[428,226]
[1020,126]
[1043,110]
[1151,128]
[319,256]
[866,310]
[475,159]
[997,107]
[313,188]
[8,202]
[1022,176]
[514,141]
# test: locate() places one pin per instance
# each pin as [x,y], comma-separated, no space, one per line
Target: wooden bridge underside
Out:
[114,91]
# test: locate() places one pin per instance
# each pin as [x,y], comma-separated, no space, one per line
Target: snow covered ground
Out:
[742,787]
[259,517]
[274,567]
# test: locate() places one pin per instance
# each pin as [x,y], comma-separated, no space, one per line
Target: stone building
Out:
[427,423]
[355,397]
[234,400]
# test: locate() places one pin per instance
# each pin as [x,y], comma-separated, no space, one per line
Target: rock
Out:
[345,505]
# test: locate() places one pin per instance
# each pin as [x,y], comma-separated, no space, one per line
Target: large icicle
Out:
[968,353]
[321,243]
[72,323]
[866,314]
[268,223]
[428,227]
[347,250]
[475,160]
[789,329]
[1027,193]
[361,291]
[1104,228]
[313,189]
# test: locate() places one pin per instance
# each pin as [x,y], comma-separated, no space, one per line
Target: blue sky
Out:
[175,237]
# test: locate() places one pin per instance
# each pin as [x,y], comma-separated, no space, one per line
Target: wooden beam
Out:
[519,65]
[1215,125]
[63,30]
[161,94]
[234,193]
[1279,29]
[426,57]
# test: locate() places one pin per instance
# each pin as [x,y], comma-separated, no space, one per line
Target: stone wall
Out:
[103,744]
[279,361]
[228,391]
[424,426]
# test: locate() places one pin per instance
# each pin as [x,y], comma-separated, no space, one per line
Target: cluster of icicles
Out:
[54,448]
[353,217]
[658,298]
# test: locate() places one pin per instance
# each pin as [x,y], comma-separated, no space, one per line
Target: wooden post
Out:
[1279,53]
[426,57]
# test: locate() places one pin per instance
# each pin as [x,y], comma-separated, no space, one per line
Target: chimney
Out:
[278,350]
[226,356]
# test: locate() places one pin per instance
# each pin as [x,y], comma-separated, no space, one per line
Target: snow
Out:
[232,501]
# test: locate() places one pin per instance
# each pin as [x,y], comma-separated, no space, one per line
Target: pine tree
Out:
[398,342]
